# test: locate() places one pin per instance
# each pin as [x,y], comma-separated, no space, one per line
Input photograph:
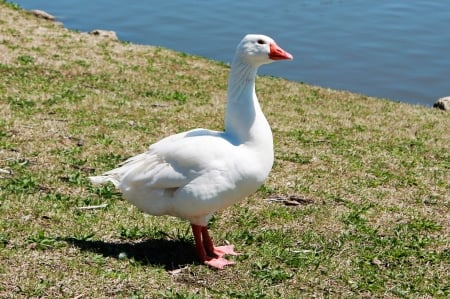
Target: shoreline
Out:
[441,103]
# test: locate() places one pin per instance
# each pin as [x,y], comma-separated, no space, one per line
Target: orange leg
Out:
[207,253]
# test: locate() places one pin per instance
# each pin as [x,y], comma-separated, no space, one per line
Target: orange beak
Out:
[276,53]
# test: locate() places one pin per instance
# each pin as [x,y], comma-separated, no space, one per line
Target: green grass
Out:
[375,176]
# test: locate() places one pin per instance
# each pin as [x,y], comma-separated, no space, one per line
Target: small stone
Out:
[42,14]
[123,255]
[443,103]
[105,34]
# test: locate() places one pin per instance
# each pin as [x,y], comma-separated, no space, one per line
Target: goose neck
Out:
[244,120]
[241,82]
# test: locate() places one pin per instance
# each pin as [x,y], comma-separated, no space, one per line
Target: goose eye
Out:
[261,42]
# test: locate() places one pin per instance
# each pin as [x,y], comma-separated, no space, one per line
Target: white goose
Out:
[196,173]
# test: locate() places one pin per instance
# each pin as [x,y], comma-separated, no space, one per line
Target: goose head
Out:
[258,49]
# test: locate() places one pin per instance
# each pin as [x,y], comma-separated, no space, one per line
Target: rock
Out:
[443,103]
[104,33]
[42,14]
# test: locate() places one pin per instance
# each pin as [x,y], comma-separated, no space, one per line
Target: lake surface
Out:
[392,49]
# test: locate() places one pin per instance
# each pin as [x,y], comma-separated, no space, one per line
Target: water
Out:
[392,49]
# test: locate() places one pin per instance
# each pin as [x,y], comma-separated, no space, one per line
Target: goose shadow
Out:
[171,254]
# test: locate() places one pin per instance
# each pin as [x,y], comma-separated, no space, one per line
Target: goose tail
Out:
[103,179]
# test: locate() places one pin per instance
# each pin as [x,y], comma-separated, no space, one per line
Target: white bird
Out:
[193,174]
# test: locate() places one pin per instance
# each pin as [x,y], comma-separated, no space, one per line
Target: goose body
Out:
[193,174]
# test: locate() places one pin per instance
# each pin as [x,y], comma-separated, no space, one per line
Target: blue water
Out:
[392,49]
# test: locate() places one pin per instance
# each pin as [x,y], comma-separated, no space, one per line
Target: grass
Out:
[374,176]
